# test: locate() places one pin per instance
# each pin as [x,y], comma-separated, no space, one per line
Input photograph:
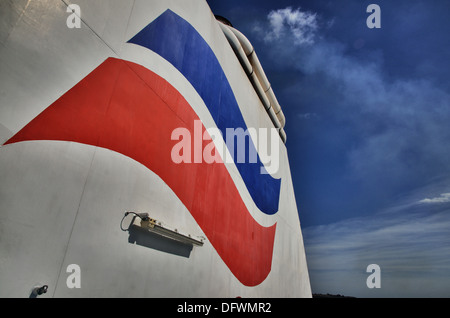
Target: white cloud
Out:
[402,124]
[307,116]
[301,25]
[443,198]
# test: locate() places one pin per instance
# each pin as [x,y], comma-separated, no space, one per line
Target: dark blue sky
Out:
[368,113]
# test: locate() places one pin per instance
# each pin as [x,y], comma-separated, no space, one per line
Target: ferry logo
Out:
[124,107]
[178,42]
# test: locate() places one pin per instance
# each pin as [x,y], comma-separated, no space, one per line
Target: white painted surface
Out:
[61,203]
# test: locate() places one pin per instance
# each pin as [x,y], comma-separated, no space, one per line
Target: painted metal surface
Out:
[169,35]
[126,108]
[85,122]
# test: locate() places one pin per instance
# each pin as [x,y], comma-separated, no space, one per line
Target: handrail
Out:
[250,63]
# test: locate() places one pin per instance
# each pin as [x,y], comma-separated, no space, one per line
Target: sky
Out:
[368,135]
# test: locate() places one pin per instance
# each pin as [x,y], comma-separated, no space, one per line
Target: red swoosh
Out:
[125,107]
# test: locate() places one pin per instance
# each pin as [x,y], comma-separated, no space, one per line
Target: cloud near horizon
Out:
[443,198]
[411,246]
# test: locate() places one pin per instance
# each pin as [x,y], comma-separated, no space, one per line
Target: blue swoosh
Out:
[174,39]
